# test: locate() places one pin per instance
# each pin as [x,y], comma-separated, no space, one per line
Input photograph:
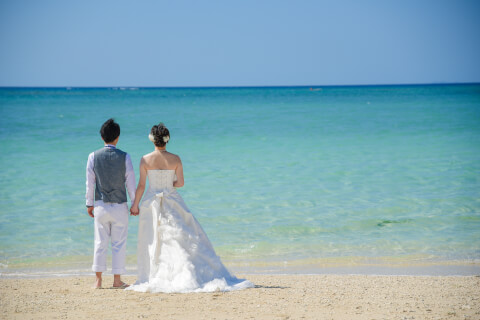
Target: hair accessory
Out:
[166,138]
[151,137]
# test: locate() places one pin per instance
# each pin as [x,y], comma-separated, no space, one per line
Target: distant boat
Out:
[315,89]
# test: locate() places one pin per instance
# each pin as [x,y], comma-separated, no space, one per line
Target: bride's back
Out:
[161,160]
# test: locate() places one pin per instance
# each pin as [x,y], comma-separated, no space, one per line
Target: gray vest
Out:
[109,168]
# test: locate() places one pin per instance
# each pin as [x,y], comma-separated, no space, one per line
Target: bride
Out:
[174,253]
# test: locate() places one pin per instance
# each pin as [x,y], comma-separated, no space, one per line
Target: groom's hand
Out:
[90,211]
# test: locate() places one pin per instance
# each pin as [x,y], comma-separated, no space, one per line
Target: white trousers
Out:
[111,224]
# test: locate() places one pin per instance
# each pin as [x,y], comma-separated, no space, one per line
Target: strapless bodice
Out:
[160,179]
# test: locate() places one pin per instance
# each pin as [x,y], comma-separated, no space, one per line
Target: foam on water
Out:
[272,174]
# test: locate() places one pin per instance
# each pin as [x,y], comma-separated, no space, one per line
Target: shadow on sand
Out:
[270,287]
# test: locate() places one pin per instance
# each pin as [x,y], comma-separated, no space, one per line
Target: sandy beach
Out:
[274,297]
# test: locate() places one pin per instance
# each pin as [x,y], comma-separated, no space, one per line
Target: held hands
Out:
[134,211]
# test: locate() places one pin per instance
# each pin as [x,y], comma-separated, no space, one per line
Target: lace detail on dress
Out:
[160,179]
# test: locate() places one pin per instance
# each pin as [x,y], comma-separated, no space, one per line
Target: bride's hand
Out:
[134,211]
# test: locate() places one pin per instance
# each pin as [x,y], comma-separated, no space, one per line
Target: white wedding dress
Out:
[174,253]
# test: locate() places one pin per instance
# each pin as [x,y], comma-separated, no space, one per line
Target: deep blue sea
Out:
[282,178]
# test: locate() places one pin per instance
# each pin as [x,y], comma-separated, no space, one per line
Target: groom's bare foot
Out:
[118,283]
[98,280]
[98,283]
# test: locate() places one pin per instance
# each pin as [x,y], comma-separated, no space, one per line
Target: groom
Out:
[109,170]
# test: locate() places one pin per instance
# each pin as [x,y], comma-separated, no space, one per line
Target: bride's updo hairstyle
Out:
[159,135]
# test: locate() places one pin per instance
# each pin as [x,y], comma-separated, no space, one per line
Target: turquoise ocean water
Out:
[284,179]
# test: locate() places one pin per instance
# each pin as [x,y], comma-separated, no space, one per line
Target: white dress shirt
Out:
[129,178]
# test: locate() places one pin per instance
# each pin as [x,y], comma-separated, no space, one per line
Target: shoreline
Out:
[273,297]
[434,269]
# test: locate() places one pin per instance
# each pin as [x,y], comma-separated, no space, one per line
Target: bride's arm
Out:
[179,173]
[140,188]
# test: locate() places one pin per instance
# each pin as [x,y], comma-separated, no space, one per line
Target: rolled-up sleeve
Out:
[130,178]
[89,195]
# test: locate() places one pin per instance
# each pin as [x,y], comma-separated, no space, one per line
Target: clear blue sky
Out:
[237,43]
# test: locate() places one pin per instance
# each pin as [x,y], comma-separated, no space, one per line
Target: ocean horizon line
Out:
[249,86]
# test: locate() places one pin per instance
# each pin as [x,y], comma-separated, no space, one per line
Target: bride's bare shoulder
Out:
[148,155]
[174,158]
[174,155]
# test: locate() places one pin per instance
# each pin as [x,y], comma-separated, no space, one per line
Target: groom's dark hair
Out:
[110,130]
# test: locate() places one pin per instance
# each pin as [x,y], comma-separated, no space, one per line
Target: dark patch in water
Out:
[388,222]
